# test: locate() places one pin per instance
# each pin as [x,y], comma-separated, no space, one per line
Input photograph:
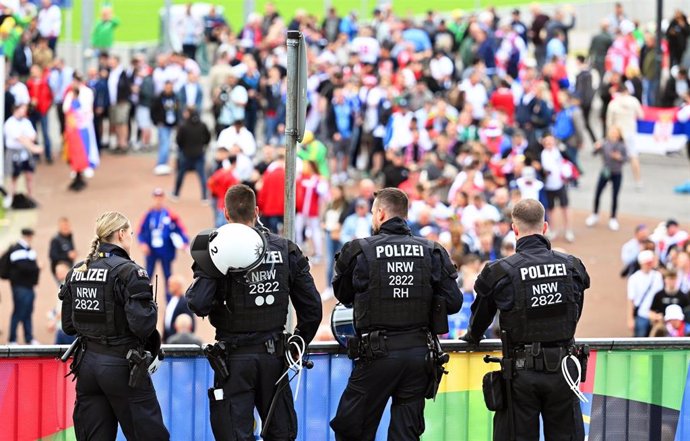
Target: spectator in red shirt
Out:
[41,100]
[311,188]
[503,101]
[218,185]
[271,194]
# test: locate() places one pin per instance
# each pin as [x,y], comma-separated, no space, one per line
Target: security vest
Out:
[257,301]
[399,291]
[545,304]
[94,311]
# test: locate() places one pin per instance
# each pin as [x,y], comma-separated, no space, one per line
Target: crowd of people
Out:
[466,113]
[656,264]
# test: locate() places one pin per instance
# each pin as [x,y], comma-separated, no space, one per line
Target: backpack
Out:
[563,127]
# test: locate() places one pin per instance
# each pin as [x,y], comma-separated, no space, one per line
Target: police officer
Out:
[107,300]
[249,312]
[392,278]
[539,293]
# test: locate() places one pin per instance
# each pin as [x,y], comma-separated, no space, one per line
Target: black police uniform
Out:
[111,307]
[249,311]
[539,293]
[391,278]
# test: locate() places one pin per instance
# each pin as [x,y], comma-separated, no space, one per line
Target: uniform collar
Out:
[109,249]
[531,242]
[395,225]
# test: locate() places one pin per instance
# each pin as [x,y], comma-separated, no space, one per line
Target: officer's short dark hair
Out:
[240,203]
[394,201]
[528,215]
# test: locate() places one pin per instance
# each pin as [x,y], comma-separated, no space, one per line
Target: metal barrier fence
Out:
[638,389]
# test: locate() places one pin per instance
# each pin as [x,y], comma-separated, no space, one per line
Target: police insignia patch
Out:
[142,274]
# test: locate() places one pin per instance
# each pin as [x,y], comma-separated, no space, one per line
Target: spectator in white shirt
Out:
[50,23]
[191,29]
[632,248]
[478,211]
[528,184]
[18,90]
[238,135]
[475,94]
[20,144]
[555,185]
[358,224]
[674,237]
[366,46]
[642,286]
[441,68]
[242,146]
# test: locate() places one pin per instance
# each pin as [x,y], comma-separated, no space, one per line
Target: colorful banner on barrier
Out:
[634,395]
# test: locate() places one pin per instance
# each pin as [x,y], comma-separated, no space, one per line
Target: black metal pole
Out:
[659,53]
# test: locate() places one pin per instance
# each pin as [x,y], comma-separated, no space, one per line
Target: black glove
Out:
[472,344]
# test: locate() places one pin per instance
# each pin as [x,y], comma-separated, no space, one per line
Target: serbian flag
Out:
[660,132]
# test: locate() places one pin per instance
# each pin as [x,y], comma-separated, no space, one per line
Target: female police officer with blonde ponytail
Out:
[108,302]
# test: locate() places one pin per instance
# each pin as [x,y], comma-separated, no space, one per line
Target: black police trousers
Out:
[252,383]
[104,398]
[402,375]
[542,393]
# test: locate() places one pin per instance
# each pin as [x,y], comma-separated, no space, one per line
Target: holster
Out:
[76,351]
[353,349]
[436,360]
[581,352]
[494,389]
[439,315]
[373,345]
[139,361]
[216,355]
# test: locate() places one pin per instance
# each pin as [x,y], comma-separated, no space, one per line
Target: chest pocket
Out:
[89,302]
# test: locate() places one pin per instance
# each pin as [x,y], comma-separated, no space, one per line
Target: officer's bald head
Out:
[528,217]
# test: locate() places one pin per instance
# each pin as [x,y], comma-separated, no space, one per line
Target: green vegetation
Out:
[140,20]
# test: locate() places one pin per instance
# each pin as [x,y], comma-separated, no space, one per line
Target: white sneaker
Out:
[7,202]
[592,220]
[570,236]
[173,198]
[613,224]
[551,235]
[12,343]
[35,342]
[162,169]
[639,186]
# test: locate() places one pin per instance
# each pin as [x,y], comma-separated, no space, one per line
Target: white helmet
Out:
[230,248]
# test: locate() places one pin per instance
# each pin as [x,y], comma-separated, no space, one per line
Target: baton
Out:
[68,353]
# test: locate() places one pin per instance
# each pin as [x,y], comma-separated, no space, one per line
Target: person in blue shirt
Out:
[161,234]
[98,82]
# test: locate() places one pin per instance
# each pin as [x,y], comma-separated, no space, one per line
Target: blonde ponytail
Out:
[107,225]
[93,254]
